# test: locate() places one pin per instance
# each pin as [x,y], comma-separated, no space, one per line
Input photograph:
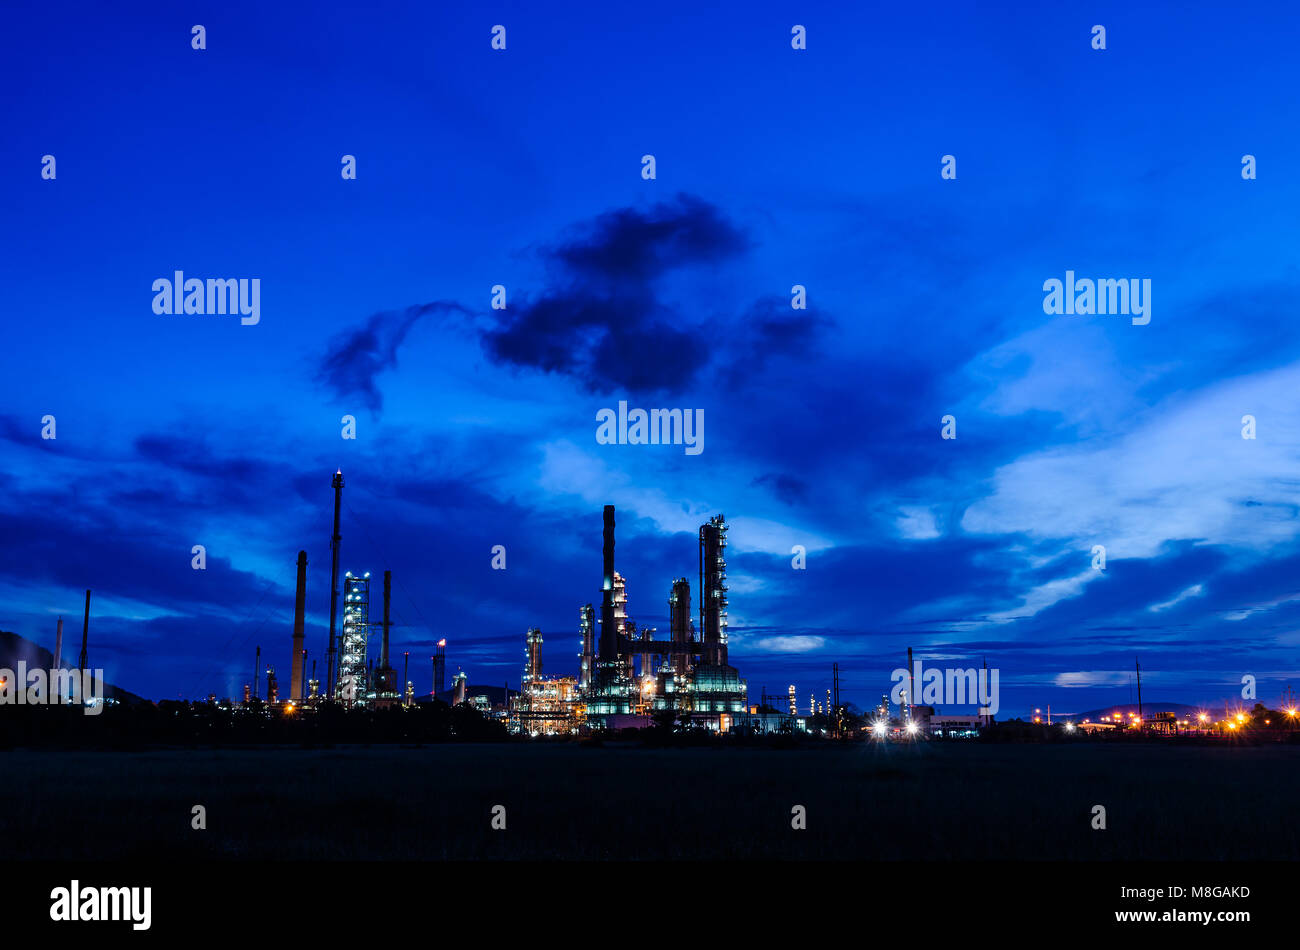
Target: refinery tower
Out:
[626,675]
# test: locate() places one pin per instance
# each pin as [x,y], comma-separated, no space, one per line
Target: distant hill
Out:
[15,649]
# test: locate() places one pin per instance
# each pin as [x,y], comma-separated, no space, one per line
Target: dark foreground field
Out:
[927,802]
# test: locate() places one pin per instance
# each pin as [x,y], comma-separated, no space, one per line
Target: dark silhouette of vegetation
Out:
[172,722]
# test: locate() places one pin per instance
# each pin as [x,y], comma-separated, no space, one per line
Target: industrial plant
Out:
[627,676]
[630,678]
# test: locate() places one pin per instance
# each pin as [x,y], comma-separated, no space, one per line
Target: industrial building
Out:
[627,675]
[545,707]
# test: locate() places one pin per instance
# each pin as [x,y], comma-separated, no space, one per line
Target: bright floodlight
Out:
[911,728]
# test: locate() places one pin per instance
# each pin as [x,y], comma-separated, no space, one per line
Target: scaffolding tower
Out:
[353,680]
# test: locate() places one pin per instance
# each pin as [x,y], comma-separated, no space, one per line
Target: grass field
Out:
[926,802]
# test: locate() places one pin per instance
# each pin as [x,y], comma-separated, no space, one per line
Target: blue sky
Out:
[774,167]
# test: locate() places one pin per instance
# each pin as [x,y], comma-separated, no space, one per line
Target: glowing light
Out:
[911,728]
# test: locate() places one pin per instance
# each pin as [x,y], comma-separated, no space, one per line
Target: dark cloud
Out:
[622,341]
[603,319]
[627,245]
[606,317]
[357,357]
[786,487]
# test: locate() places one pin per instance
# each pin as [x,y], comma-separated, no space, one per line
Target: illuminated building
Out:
[353,676]
[683,674]
[545,707]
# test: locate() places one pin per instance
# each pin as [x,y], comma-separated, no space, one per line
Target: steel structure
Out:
[352,679]
[544,706]
[713,590]
[384,691]
[587,634]
[533,666]
[686,675]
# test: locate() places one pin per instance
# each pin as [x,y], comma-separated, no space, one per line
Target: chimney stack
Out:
[911,684]
[609,647]
[58,646]
[335,539]
[299,608]
[388,594]
[82,662]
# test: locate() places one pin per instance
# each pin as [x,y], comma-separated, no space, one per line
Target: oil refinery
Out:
[629,678]
[626,676]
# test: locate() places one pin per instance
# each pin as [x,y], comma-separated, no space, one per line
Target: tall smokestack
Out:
[257,671]
[388,593]
[334,582]
[587,628]
[679,622]
[608,631]
[58,646]
[911,682]
[299,608]
[1139,677]
[533,671]
[82,662]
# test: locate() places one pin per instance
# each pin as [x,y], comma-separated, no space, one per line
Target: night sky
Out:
[775,167]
